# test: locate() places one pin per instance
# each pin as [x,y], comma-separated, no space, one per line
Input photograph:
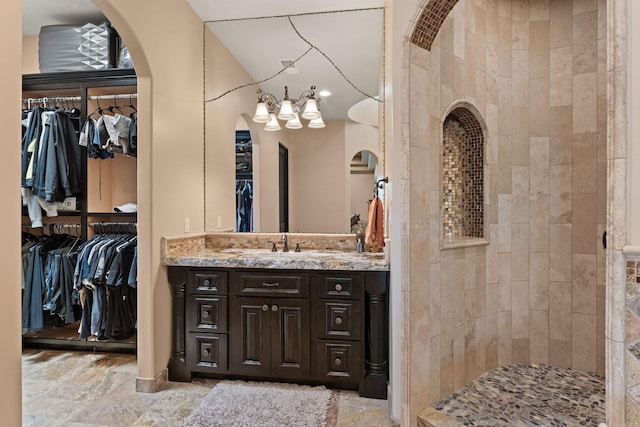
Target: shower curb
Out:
[431,417]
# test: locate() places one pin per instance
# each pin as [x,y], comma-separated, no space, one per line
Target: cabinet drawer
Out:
[208,281]
[339,361]
[339,285]
[207,313]
[207,352]
[279,284]
[338,319]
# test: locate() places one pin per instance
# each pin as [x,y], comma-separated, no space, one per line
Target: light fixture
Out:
[294,123]
[316,123]
[273,124]
[290,110]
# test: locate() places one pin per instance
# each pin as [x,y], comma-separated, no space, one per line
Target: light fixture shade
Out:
[262,113]
[273,124]
[294,123]
[286,111]
[316,123]
[311,110]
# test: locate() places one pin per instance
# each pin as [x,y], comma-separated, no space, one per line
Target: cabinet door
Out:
[290,338]
[249,336]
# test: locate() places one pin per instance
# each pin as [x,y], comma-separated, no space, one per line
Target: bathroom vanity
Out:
[319,316]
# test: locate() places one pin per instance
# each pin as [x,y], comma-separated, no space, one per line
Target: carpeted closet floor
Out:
[64,388]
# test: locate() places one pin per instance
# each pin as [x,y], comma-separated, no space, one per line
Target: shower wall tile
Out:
[539,281]
[583,284]
[560,353]
[539,172]
[469,268]
[540,107]
[520,24]
[584,232]
[585,42]
[600,330]
[521,350]
[539,49]
[434,300]
[560,311]
[520,252]
[581,6]
[539,336]
[504,165]
[561,197]
[481,290]
[481,350]
[539,230]
[560,252]
[520,309]
[561,23]
[504,282]
[491,326]
[504,222]
[583,342]
[520,135]
[504,338]
[504,47]
[446,331]
[433,380]
[561,135]
[504,105]
[585,163]
[446,380]
[520,79]
[585,103]
[561,76]
[539,10]
[492,73]
[459,357]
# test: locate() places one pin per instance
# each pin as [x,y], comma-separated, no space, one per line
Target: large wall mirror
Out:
[310,179]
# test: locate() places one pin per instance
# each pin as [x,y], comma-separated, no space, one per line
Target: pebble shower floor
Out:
[528,395]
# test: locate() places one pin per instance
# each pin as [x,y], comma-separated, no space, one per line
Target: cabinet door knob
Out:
[274,307]
[338,287]
[338,320]
[205,314]
[205,352]
[265,307]
[338,361]
[206,282]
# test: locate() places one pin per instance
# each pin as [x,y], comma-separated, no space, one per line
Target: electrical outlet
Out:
[186,225]
[219,222]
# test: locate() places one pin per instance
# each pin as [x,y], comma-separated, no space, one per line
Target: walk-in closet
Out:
[79,189]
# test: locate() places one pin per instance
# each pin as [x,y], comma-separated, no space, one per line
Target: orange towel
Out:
[374,236]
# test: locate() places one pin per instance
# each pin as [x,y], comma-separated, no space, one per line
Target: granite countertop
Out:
[207,251]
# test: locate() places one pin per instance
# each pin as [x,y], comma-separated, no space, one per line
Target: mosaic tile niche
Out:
[462,176]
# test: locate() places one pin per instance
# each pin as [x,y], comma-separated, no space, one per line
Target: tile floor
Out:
[528,395]
[73,389]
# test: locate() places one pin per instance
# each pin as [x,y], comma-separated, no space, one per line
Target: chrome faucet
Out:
[286,243]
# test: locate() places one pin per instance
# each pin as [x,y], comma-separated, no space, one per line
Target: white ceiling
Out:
[352,40]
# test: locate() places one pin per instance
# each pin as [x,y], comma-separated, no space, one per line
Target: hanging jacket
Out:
[30,143]
[58,172]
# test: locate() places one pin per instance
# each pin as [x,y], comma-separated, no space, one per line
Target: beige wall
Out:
[316,161]
[30,55]
[170,154]
[535,71]
[10,305]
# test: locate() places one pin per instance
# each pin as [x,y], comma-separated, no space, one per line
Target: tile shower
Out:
[535,71]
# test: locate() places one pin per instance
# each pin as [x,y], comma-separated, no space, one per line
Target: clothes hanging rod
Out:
[78,98]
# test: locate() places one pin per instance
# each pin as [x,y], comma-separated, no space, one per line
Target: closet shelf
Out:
[112,214]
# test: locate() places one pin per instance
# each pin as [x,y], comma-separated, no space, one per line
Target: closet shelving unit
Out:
[106,183]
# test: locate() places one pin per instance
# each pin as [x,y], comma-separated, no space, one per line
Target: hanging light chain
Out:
[311,47]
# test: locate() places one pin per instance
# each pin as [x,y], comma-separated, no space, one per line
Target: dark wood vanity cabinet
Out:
[315,327]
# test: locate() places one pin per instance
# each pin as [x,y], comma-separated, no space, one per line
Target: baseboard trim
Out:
[152,385]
